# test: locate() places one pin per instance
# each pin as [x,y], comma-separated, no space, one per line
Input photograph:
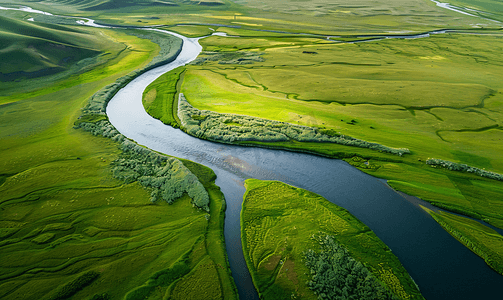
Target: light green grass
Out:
[482,240]
[159,97]
[277,225]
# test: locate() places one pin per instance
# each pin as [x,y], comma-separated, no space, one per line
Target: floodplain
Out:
[70,228]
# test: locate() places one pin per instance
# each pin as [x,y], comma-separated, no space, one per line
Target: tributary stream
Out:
[441,266]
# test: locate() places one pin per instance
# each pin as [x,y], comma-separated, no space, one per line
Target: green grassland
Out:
[31,50]
[278,222]
[70,229]
[159,97]
[441,97]
[293,16]
[482,240]
[438,97]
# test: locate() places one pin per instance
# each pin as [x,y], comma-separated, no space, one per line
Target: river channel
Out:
[441,266]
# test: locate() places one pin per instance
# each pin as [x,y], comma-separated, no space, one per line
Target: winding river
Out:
[441,266]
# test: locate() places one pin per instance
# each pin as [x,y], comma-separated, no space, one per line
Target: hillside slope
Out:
[29,50]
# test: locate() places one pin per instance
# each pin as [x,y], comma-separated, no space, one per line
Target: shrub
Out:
[336,275]
[168,178]
[463,168]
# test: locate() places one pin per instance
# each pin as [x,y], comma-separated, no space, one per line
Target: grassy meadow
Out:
[278,223]
[68,228]
[159,97]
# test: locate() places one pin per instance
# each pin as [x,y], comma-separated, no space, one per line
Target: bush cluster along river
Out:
[441,266]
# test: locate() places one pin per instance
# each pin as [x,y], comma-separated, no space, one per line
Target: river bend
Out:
[441,266]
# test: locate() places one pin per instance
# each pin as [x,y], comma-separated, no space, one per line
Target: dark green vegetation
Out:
[159,97]
[71,288]
[69,228]
[278,223]
[168,178]
[335,274]
[229,128]
[483,241]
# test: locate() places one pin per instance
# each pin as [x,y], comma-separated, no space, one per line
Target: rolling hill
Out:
[29,50]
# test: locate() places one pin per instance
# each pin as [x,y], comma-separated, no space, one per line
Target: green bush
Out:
[168,177]
[336,275]
[463,168]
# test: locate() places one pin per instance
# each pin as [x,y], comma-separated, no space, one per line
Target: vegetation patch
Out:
[482,240]
[168,178]
[231,57]
[215,127]
[361,163]
[335,274]
[452,166]
[279,224]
